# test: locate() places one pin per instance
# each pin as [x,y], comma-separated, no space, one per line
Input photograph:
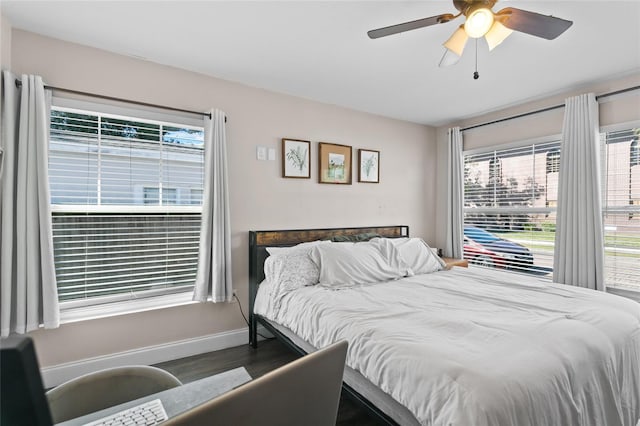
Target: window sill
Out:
[85,313]
[629,294]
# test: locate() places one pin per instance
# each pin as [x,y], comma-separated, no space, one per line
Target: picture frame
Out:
[296,158]
[334,163]
[368,166]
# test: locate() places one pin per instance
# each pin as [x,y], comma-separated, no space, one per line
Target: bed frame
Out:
[260,240]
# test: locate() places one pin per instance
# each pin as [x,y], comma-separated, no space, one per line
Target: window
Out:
[621,205]
[125,222]
[495,170]
[195,196]
[634,174]
[553,161]
[510,196]
[152,195]
[551,177]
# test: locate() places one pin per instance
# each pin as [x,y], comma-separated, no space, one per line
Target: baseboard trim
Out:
[54,375]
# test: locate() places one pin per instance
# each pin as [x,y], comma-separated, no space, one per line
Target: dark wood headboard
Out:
[260,240]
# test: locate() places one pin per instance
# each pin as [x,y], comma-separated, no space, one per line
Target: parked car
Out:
[482,247]
[478,255]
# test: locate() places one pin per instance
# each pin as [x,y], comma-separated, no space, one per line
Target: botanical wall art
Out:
[335,163]
[369,166]
[296,158]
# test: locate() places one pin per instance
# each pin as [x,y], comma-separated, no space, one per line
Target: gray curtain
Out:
[455,203]
[213,279]
[28,291]
[579,247]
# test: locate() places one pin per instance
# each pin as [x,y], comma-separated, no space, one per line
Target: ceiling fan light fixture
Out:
[448,58]
[497,34]
[479,21]
[457,41]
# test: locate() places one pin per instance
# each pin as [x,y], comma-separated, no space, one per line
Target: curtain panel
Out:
[579,246]
[213,277]
[455,190]
[28,290]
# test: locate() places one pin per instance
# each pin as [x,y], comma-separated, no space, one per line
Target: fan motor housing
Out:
[464,5]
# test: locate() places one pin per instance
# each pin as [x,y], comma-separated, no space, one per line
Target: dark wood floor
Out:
[270,355]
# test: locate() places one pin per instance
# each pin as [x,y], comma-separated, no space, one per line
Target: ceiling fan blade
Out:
[497,34]
[548,27]
[408,26]
[457,41]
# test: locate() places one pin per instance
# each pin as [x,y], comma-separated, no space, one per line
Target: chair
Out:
[303,392]
[106,388]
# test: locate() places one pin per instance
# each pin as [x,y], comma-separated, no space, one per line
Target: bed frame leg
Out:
[253,332]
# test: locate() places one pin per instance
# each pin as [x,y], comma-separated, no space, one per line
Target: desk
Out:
[178,399]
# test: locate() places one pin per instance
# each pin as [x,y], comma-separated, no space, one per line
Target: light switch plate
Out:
[272,154]
[261,153]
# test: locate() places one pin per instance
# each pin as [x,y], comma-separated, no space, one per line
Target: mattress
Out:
[479,347]
[392,408]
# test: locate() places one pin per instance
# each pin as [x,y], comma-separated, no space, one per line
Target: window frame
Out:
[625,292]
[106,306]
[603,166]
[618,210]
[517,210]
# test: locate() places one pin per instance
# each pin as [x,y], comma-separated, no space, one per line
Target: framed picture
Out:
[368,166]
[335,163]
[296,158]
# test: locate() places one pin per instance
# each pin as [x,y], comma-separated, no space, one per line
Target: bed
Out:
[462,347]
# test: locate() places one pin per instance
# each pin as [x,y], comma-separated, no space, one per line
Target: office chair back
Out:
[22,400]
[303,392]
[106,388]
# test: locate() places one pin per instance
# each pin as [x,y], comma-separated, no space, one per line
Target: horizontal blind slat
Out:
[123,163]
[509,207]
[621,208]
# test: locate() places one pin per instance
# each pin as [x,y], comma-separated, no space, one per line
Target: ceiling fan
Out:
[480,21]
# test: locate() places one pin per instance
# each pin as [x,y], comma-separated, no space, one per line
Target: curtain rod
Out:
[551,108]
[111,98]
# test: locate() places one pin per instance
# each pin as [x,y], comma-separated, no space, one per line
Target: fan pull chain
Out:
[475,74]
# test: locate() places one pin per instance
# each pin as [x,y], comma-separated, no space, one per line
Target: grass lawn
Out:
[620,240]
[541,244]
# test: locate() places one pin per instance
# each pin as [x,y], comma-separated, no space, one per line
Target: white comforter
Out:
[474,347]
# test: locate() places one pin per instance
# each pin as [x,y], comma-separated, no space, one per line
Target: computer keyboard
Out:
[148,413]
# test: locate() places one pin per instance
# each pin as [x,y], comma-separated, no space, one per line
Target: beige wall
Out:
[260,198]
[616,109]
[5,43]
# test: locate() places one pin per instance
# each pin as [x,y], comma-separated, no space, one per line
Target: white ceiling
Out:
[320,50]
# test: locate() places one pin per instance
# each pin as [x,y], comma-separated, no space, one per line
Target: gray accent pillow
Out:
[347,264]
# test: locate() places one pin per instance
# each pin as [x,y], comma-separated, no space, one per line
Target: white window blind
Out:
[126,196]
[621,204]
[510,199]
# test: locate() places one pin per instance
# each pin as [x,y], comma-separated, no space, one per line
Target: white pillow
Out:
[415,254]
[306,247]
[348,264]
[290,271]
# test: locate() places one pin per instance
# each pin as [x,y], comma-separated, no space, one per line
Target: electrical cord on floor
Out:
[245,318]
